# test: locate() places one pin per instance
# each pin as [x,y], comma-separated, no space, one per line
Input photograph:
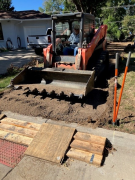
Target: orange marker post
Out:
[126,69]
[115,88]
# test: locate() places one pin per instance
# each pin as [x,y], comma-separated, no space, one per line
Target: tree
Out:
[52,5]
[41,9]
[128,24]
[114,16]
[113,28]
[6,5]
[89,6]
[117,13]
[69,6]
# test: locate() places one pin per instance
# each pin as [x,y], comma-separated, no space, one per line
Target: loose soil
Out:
[96,110]
[69,110]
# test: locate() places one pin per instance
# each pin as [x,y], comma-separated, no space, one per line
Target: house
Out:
[16,26]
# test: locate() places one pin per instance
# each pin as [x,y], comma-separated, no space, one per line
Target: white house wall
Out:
[14,29]
[20,33]
[8,32]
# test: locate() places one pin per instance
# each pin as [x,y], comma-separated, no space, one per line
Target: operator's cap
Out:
[76,26]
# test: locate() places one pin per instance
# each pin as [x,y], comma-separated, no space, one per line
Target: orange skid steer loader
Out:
[72,74]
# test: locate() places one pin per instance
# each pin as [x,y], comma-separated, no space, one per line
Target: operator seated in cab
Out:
[72,41]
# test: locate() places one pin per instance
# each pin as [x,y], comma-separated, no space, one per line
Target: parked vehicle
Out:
[38,42]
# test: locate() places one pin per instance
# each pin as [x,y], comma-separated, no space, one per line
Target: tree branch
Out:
[77,5]
[81,5]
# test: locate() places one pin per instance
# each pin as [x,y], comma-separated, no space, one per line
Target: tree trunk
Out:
[77,5]
[81,5]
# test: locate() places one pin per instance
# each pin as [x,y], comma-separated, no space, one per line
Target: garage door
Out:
[34,31]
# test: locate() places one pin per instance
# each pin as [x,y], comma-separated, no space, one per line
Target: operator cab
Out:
[63,34]
[63,26]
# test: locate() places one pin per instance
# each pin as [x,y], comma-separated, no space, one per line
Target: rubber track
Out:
[101,64]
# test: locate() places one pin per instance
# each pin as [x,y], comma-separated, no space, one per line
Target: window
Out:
[1,33]
[88,30]
[61,28]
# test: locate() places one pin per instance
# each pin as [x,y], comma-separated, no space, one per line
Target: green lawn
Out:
[12,72]
[128,96]
[5,81]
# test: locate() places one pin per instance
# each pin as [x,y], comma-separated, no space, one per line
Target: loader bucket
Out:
[58,81]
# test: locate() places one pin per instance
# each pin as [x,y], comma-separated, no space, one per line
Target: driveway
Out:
[17,58]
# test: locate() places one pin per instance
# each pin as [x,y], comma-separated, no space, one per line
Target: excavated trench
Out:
[95,110]
[33,103]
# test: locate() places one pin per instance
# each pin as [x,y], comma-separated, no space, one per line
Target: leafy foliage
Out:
[117,13]
[113,28]
[69,6]
[89,6]
[118,19]
[52,5]
[6,5]
[128,24]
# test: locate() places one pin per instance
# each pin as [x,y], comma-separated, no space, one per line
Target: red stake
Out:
[115,88]
[126,69]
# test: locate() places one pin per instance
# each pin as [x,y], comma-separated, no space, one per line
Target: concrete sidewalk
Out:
[119,165]
[17,58]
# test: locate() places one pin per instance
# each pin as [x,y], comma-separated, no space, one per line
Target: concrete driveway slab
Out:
[17,58]
[4,170]
[118,166]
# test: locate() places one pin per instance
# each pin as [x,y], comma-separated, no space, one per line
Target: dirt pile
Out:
[66,110]
[106,117]
[96,110]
